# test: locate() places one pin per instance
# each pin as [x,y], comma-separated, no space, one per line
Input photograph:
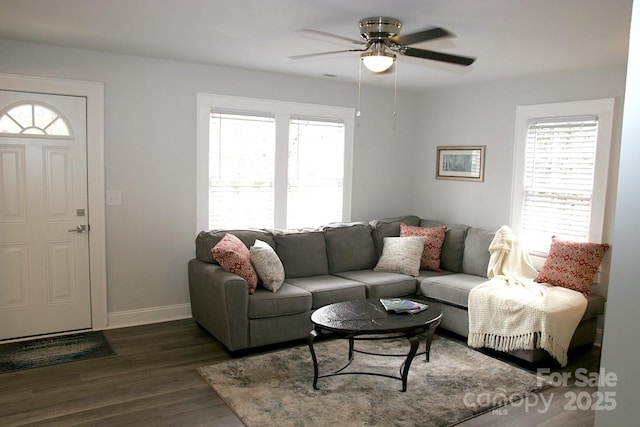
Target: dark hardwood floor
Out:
[152,381]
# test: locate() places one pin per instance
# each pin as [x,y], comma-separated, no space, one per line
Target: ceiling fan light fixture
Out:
[378,61]
[381,41]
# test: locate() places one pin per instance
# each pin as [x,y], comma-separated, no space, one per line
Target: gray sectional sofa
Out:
[335,263]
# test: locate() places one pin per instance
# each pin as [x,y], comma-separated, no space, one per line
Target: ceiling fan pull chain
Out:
[358,113]
[395,89]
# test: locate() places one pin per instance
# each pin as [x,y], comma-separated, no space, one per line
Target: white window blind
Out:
[559,170]
[315,173]
[241,170]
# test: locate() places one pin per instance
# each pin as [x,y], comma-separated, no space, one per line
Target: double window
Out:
[561,168]
[271,164]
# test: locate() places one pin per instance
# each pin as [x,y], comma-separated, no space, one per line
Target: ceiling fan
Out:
[381,41]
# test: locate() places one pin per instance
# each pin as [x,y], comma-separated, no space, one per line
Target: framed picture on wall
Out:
[460,162]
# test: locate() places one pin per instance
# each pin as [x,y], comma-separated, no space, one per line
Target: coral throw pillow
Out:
[572,265]
[433,244]
[234,256]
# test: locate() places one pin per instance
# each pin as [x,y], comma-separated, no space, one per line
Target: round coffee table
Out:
[368,320]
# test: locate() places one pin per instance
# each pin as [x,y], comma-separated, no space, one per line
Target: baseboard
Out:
[144,316]
[598,341]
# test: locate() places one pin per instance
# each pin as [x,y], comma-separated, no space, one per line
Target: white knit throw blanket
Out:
[512,312]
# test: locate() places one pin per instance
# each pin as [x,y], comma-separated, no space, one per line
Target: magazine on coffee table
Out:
[402,306]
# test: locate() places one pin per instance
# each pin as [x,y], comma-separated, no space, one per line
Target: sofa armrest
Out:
[219,303]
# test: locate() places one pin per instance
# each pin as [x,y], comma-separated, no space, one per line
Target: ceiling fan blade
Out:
[326,34]
[437,56]
[421,36]
[310,55]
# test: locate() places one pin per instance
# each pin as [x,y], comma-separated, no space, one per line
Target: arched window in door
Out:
[33,119]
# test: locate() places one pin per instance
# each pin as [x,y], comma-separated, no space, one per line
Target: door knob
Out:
[79,229]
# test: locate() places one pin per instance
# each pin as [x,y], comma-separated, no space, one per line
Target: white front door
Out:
[44,220]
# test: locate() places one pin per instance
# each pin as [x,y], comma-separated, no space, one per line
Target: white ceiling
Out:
[509,37]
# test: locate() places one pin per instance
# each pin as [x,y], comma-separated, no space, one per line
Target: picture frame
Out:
[460,162]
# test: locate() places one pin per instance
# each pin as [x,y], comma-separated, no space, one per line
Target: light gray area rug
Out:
[458,383]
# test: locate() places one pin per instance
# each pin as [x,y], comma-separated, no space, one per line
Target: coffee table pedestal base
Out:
[412,336]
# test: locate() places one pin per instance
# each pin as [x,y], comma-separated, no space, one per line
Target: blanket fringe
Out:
[504,343]
[553,347]
[528,341]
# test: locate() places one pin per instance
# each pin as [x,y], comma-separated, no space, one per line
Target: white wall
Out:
[620,342]
[484,114]
[150,145]
[150,150]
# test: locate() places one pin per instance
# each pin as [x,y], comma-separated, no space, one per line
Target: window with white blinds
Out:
[272,164]
[558,181]
[561,172]
[241,170]
[315,173]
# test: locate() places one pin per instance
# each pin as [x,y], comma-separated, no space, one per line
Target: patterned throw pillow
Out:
[234,256]
[432,246]
[572,265]
[267,265]
[401,255]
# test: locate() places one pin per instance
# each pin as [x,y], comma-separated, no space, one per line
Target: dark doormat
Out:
[52,351]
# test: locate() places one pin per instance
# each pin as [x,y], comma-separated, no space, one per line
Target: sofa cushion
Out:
[288,300]
[430,273]
[401,255]
[350,248]
[453,246]
[329,289]
[450,288]
[390,227]
[381,284]
[208,239]
[454,289]
[234,256]
[476,251]
[572,265]
[595,306]
[434,238]
[267,265]
[302,253]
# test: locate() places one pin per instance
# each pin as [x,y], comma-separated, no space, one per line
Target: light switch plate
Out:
[114,197]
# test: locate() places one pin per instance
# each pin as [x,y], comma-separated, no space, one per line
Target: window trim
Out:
[603,109]
[282,111]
